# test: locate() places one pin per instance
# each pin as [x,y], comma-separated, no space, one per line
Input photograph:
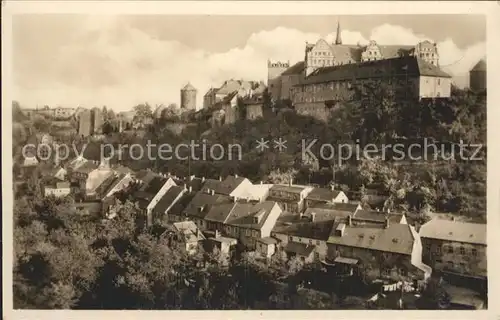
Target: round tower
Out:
[188,97]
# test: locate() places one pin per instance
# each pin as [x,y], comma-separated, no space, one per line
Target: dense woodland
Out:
[65,260]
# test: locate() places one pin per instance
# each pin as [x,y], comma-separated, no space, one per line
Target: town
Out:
[329,225]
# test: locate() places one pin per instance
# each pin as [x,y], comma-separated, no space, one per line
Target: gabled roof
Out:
[189,231]
[228,185]
[288,188]
[202,202]
[300,249]
[454,231]
[87,167]
[220,212]
[168,199]
[396,238]
[323,194]
[243,214]
[211,91]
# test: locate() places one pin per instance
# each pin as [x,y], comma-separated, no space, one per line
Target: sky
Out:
[121,61]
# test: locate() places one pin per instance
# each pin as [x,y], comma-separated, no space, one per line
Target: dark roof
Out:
[295,69]
[480,66]
[210,184]
[228,185]
[377,216]
[87,167]
[404,66]
[196,183]
[243,214]
[168,199]
[154,185]
[323,194]
[220,212]
[287,188]
[396,238]
[319,230]
[203,201]
[300,249]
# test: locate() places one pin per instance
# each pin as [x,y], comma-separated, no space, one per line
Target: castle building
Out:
[188,97]
[329,86]
[477,76]
[346,63]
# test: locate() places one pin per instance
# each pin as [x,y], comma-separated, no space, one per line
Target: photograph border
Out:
[490,9]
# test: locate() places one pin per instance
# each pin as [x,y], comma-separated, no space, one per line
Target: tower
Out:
[188,97]
[274,72]
[338,38]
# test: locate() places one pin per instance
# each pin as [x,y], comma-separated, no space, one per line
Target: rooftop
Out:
[480,66]
[168,199]
[454,231]
[300,249]
[323,194]
[396,238]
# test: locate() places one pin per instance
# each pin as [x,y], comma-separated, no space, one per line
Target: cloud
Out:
[109,62]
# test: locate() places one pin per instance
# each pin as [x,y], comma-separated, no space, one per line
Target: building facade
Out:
[455,247]
[477,76]
[188,97]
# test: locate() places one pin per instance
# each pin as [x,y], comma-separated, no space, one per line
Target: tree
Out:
[143,113]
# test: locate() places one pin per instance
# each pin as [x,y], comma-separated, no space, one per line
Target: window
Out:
[439,261]
[290,238]
[450,249]
[474,252]
[317,242]
[462,250]
[438,249]
[439,81]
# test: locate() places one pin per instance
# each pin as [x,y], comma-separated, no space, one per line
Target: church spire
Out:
[338,39]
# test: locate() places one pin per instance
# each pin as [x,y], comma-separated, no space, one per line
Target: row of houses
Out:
[314,224]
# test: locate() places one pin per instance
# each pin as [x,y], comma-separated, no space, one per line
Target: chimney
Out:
[313,216]
[236,176]
[235,199]
[332,186]
[261,182]
[349,220]
[202,179]
[197,233]
[290,182]
[220,178]
[212,192]
[217,234]
[190,189]
[386,225]
[185,186]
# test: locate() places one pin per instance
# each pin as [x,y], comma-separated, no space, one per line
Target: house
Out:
[197,207]
[95,179]
[232,186]
[290,197]
[389,250]
[245,221]
[58,189]
[304,236]
[81,171]
[230,108]
[323,195]
[190,235]
[121,182]
[30,161]
[455,247]
[166,202]
[255,192]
